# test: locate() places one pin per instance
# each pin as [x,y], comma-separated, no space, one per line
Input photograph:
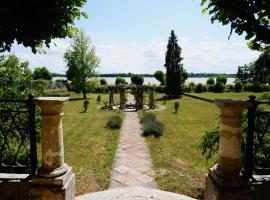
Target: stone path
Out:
[132,166]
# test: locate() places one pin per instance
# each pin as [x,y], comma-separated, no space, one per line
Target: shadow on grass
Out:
[79,99]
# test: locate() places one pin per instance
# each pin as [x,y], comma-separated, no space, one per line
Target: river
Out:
[152,80]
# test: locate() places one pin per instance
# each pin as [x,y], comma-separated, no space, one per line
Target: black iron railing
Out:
[18,152]
[257,150]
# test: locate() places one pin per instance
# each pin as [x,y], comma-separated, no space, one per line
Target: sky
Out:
[131,36]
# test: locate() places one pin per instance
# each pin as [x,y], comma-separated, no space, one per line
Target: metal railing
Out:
[18,151]
[257,150]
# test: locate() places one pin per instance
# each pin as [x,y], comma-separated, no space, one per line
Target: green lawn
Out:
[89,146]
[179,165]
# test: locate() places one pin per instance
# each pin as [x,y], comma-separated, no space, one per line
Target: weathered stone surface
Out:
[14,190]
[60,188]
[133,193]
[52,136]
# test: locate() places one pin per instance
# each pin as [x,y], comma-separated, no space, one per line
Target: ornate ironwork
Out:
[257,154]
[18,136]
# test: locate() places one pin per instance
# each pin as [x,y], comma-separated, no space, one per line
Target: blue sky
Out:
[131,36]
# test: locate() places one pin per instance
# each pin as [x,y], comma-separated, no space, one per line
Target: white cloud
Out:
[207,55]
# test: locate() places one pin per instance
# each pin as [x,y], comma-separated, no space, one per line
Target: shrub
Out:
[229,88]
[114,122]
[120,80]
[219,87]
[258,87]
[161,89]
[211,88]
[247,87]
[237,87]
[103,81]
[209,142]
[176,107]
[222,78]
[147,117]
[98,98]
[85,105]
[199,88]
[154,128]
[210,81]
[137,79]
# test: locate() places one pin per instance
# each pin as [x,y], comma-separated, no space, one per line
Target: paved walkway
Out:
[132,165]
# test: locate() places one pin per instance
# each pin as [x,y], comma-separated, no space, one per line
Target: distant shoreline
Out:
[127,75]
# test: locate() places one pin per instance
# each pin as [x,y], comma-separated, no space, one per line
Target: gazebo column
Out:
[225,180]
[55,179]
[122,97]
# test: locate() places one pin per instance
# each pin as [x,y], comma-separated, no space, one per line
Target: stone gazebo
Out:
[137,91]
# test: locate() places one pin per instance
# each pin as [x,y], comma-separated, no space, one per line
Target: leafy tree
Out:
[137,79]
[261,67]
[222,78]
[210,81]
[160,76]
[42,73]
[33,23]
[14,75]
[242,74]
[81,61]
[176,75]
[244,16]
[120,80]
[103,81]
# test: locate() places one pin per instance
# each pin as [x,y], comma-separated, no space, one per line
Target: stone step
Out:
[133,193]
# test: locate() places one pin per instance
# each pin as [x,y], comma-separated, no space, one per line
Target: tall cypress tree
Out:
[176,75]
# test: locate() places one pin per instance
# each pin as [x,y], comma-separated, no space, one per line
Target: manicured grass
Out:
[178,163]
[89,146]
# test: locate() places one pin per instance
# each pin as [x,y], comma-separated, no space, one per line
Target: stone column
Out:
[226,175]
[152,98]
[111,97]
[122,97]
[55,179]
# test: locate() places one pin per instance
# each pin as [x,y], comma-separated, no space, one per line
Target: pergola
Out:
[137,91]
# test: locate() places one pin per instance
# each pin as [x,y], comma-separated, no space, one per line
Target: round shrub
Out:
[154,128]
[137,79]
[211,88]
[238,87]
[229,88]
[219,87]
[199,88]
[119,80]
[103,81]
[222,78]
[114,122]
[210,81]
[147,117]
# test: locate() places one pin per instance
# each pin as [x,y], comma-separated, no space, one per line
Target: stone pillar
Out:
[111,102]
[152,102]
[55,179]
[225,180]
[122,97]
